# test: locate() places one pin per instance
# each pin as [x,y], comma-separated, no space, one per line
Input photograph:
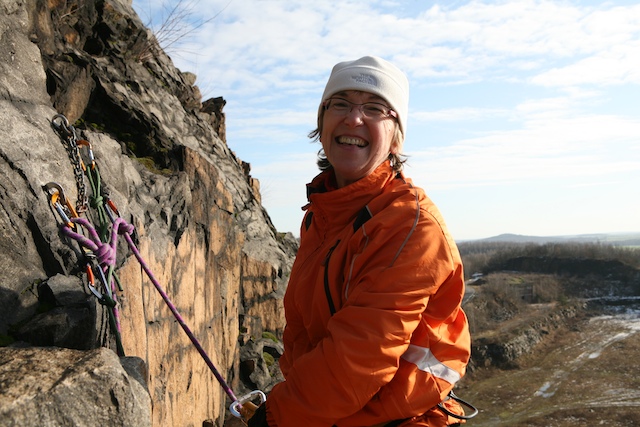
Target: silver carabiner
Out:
[235,406]
[453,396]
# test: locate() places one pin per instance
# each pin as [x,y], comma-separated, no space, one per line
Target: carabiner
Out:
[464,403]
[113,208]
[92,281]
[59,201]
[236,406]
[90,156]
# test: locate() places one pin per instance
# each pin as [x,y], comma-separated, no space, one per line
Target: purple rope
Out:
[106,252]
[176,314]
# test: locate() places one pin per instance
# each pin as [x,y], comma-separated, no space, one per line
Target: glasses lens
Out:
[373,110]
[370,110]
[340,106]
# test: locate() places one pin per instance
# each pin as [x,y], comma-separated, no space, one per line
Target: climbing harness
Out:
[99,246]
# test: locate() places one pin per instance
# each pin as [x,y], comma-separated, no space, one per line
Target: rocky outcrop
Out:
[62,387]
[503,350]
[164,161]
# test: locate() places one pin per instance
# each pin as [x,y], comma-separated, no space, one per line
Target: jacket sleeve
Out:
[391,272]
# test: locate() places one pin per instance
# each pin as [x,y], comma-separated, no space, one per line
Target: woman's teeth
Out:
[349,140]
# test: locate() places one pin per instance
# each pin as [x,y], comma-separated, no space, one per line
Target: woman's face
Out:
[356,145]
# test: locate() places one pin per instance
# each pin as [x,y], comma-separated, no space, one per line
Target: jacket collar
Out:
[342,204]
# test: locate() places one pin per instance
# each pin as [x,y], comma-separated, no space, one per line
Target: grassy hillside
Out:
[554,330]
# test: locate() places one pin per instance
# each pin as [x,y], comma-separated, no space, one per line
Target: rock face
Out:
[164,161]
[503,350]
[56,386]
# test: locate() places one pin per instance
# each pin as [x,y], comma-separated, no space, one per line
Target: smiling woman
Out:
[375,333]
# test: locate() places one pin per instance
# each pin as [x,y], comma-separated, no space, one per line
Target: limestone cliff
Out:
[163,158]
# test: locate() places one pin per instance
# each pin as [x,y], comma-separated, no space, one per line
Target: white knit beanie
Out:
[374,75]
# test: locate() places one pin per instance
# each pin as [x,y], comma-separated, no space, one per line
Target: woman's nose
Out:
[355,116]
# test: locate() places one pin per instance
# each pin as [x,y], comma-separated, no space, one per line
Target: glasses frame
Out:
[389,112]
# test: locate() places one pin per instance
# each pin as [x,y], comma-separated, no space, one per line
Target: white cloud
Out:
[545,106]
[458,114]
[268,41]
[515,92]
[561,149]
[618,65]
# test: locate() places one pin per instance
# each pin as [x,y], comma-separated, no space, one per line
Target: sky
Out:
[524,115]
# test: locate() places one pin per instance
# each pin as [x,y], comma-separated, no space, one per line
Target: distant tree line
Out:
[484,257]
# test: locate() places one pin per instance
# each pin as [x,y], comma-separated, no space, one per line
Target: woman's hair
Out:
[397,160]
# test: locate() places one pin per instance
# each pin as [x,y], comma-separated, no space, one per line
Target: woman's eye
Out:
[374,109]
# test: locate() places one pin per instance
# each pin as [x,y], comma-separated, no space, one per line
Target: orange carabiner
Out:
[59,202]
[91,157]
[113,207]
[91,278]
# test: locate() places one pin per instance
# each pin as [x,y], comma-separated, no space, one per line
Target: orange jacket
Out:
[374,330]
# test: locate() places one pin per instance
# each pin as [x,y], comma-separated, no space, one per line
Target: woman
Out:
[375,333]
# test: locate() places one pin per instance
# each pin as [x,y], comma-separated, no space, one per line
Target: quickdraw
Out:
[99,247]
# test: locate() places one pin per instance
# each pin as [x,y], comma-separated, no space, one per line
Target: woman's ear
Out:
[396,142]
[395,147]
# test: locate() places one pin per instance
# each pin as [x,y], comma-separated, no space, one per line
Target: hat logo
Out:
[366,79]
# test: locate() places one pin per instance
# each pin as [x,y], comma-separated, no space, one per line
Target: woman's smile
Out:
[350,140]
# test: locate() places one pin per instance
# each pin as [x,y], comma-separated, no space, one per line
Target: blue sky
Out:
[524,116]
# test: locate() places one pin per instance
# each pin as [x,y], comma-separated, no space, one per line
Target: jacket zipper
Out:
[327,290]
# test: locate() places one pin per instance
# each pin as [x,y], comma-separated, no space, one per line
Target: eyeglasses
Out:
[370,110]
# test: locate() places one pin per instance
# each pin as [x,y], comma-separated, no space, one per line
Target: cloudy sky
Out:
[524,115]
